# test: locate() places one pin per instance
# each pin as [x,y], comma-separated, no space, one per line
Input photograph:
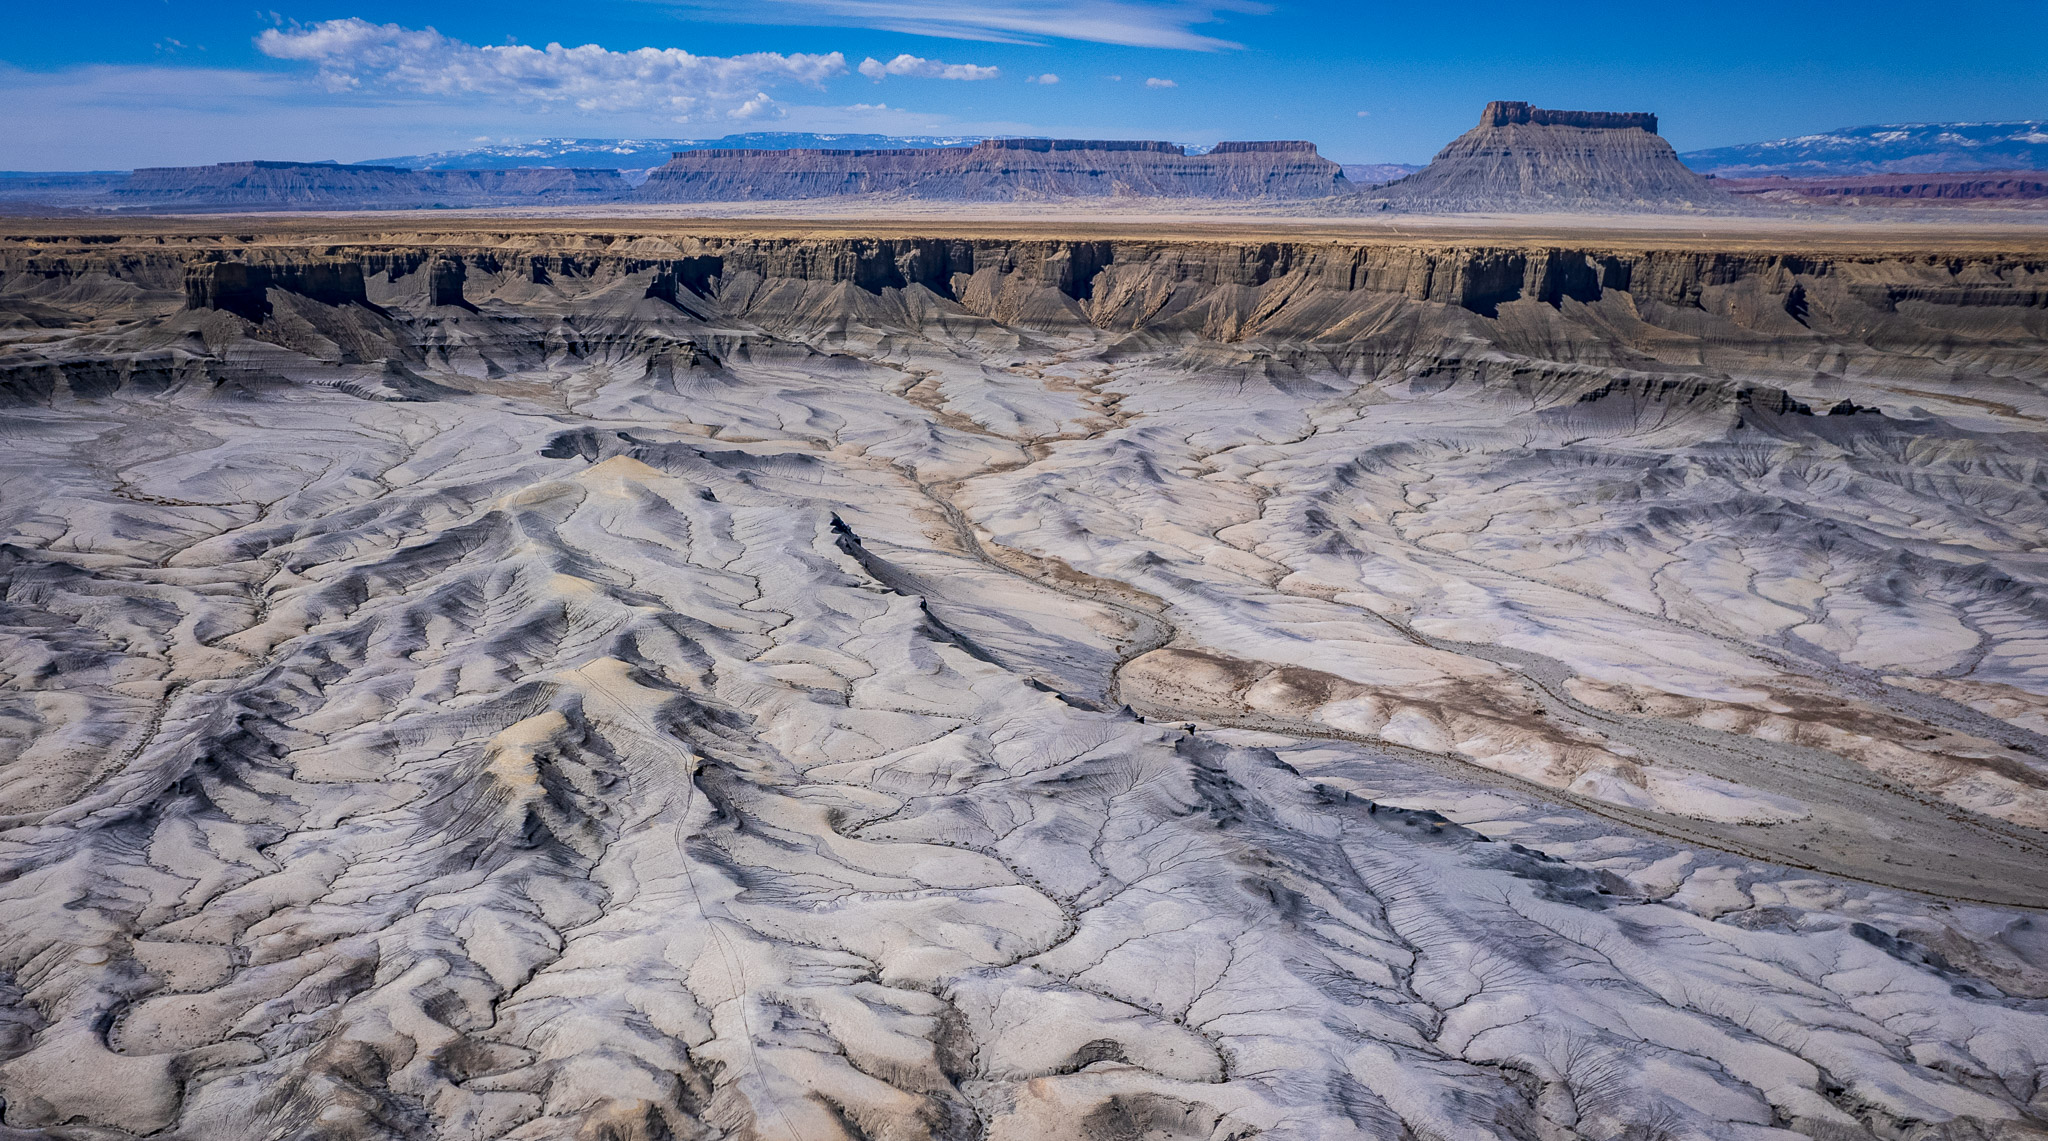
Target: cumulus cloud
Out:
[1155,81]
[1048,77]
[355,54]
[919,68]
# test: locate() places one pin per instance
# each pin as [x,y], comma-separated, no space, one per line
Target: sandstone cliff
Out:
[1524,159]
[1001,170]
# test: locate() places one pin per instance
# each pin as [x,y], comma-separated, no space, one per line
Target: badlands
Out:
[670,679]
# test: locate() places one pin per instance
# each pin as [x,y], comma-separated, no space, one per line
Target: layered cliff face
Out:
[1002,170]
[616,684]
[1523,159]
[304,185]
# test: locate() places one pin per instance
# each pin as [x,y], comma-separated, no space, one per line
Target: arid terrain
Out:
[1023,680]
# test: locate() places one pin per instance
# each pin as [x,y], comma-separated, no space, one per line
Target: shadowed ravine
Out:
[602,686]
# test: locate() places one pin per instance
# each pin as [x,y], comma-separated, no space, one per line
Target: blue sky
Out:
[101,84]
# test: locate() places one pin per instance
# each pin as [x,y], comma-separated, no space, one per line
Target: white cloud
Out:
[1047,78]
[919,68]
[1135,23]
[104,117]
[355,54]
[1365,114]
[1155,81]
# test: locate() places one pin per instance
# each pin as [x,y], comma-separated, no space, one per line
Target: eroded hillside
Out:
[562,684]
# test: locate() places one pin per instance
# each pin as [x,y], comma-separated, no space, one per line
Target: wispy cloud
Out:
[919,68]
[1155,81]
[1136,23]
[355,54]
[1047,78]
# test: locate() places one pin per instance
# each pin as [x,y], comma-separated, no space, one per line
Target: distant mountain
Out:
[640,154]
[29,190]
[1374,173]
[332,186]
[1916,147]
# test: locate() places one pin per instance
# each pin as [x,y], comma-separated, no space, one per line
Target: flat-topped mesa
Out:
[1267,147]
[1149,146]
[1524,159]
[1505,113]
[1003,170]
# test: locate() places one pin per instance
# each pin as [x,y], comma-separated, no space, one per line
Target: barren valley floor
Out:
[551,678]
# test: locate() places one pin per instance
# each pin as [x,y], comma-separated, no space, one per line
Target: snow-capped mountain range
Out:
[1888,147]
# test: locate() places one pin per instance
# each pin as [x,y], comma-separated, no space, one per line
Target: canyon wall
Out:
[1347,305]
[1132,283]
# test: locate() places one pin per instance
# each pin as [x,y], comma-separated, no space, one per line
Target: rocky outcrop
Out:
[1002,170]
[1524,159]
[444,282]
[330,186]
[242,287]
[1505,113]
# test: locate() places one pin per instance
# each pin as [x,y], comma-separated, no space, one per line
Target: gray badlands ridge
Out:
[603,685]
[1522,158]
[1974,186]
[1003,170]
[1000,170]
[306,185]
